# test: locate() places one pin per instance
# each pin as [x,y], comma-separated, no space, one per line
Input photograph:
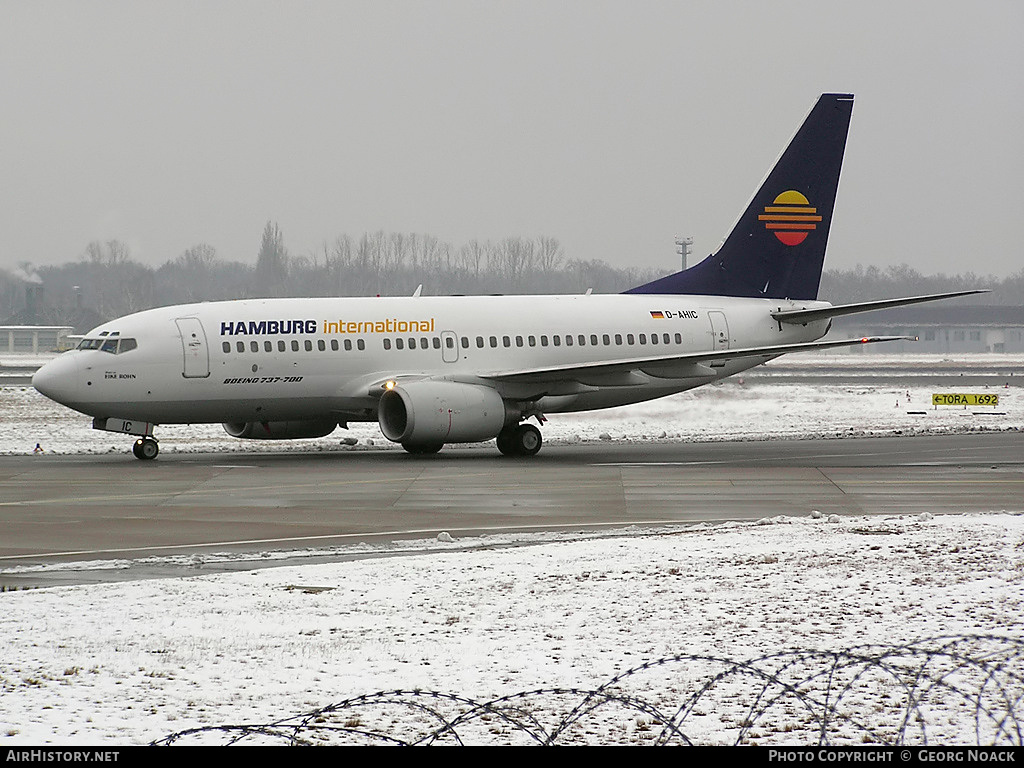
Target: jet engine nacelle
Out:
[436,412]
[280,430]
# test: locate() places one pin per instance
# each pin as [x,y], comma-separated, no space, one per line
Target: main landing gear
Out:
[145,448]
[522,440]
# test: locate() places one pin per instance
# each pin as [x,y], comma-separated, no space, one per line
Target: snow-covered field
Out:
[131,663]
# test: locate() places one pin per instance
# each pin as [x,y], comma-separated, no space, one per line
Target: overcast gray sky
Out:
[613,126]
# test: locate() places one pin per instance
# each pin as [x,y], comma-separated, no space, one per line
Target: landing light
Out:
[389,384]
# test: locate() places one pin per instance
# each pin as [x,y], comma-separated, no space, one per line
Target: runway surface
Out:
[87,508]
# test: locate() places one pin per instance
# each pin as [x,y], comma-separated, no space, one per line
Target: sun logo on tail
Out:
[790,217]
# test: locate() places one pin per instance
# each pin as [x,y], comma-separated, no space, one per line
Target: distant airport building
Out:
[34,339]
[939,330]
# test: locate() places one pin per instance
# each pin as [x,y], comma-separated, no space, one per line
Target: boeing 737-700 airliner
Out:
[456,369]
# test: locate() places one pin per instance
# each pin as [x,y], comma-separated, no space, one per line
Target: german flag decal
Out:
[657,315]
[790,217]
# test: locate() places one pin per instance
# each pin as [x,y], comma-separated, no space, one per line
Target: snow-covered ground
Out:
[480,619]
[131,663]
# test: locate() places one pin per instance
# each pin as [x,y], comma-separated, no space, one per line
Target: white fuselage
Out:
[315,358]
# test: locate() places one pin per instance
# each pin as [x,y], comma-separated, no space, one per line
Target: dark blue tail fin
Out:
[777,248]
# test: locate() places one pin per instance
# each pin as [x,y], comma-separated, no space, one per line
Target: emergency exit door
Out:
[196,353]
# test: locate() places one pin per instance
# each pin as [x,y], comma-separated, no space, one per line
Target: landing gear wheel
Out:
[524,440]
[145,448]
[527,440]
[419,449]
[507,441]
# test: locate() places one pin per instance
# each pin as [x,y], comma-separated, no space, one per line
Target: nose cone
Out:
[58,379]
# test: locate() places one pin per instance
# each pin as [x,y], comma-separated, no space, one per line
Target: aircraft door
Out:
[719,330]
[195,351]
[449,347]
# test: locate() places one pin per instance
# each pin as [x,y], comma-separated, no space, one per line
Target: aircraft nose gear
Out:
[523,440]
[145,448]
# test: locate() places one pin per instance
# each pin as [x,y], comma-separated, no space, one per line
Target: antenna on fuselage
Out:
[419,289]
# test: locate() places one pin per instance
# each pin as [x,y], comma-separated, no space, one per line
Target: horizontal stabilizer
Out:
[804,316]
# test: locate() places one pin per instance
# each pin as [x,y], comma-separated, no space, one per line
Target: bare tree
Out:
[549,254]
[272,262]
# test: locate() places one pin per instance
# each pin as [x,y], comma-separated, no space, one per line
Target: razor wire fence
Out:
[942,690]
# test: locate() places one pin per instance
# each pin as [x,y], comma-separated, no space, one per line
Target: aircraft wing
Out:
[683,366]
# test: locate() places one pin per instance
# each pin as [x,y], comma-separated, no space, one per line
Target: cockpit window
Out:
[111,344]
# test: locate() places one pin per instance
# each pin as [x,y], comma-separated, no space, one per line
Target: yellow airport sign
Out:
[965,399]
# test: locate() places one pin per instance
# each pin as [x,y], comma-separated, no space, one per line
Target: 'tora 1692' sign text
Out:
[965,399]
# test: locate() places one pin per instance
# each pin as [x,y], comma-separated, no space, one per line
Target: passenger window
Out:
[254,346]
[556,340]
[593,339]
[321,345]
[568,340]
[679,338]
[280,345]
[240,346]
[532,341]
[437,343]
[295,345]
[226,346]
[618,339]
[449,342]
[543,341]
[399,344]
[654,338]
[630,339]
[465,342]
[361,345]
[480,342]
[348,345]
[494,341]
[334,345]
[268,347]
[412,343]
[665,338]
[643,339]
[308,345]
[606,340]
[506,341]
[519,341]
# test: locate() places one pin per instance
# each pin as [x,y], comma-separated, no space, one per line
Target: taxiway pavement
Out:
[86,508]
